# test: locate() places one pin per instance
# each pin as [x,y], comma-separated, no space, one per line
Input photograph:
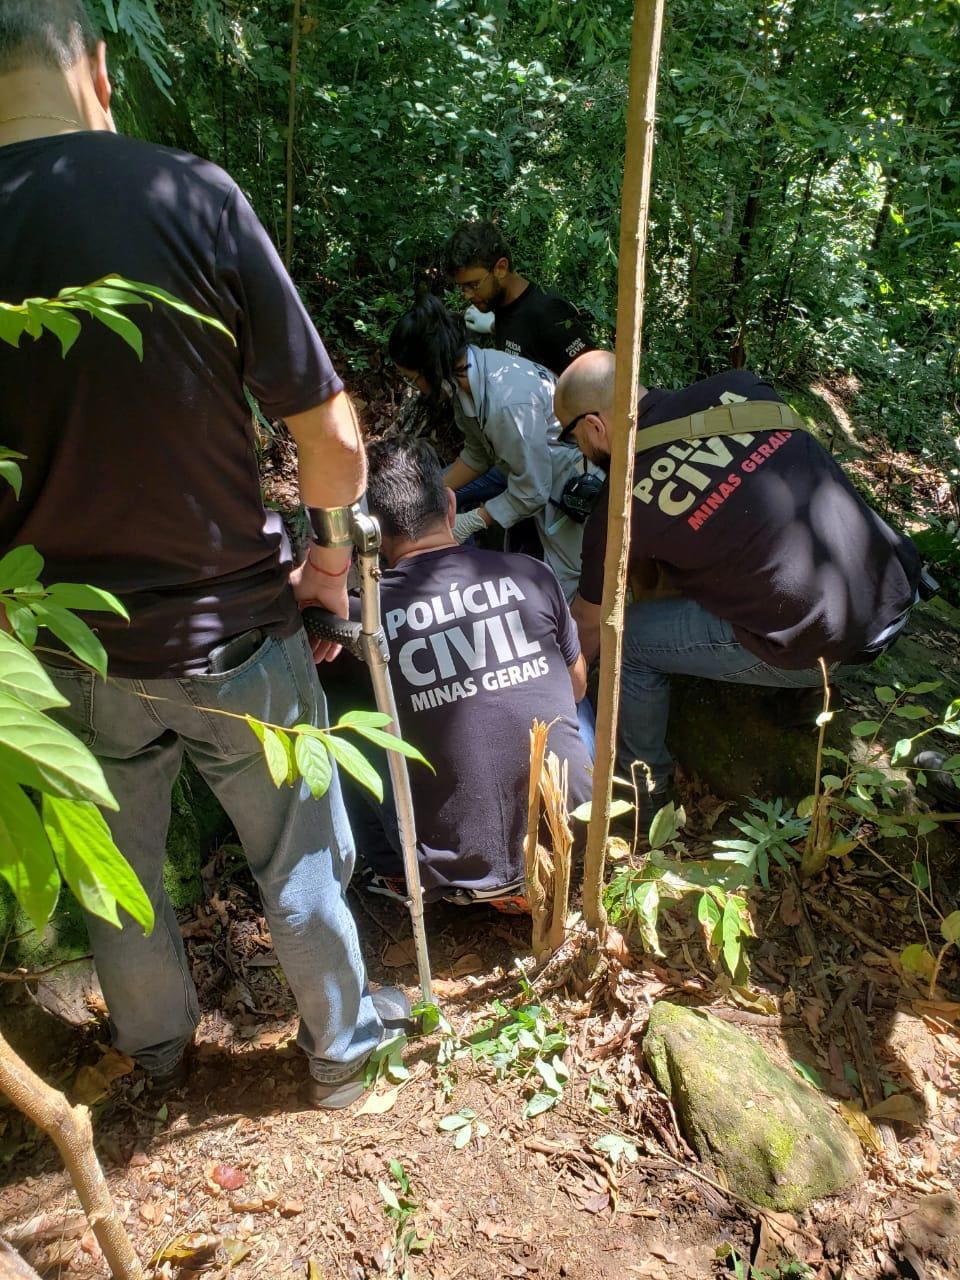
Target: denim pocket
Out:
[75,683]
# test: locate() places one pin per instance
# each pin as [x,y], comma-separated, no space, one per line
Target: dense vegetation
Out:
[806,203]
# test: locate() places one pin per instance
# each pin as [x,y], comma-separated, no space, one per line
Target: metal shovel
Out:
[367,641]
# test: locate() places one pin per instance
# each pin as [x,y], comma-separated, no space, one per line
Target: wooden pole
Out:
[634,210]
[291,123]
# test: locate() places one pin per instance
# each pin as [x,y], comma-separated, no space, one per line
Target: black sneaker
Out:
[173,1078]
[394,1010]
[939,782]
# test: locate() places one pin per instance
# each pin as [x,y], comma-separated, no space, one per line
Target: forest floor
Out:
[234,1176]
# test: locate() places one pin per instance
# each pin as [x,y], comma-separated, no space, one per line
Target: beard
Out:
[600,458]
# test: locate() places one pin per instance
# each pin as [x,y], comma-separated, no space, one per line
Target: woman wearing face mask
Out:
[503,405]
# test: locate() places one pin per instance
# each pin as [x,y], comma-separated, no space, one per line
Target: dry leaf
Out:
[236,1250]
[377,1104]
[399,954]
[862,1126]
[193,1249]
[247,1206]
[948,1010]
[93,1083]
[471,963]
[290,1208]
[899,1106]
[313,1270]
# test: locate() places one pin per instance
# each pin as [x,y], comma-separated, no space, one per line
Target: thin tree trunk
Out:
[634,211]
[70,1131]
[12,1266]
[291,121]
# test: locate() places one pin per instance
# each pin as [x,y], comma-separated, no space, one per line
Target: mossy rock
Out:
[778,1141]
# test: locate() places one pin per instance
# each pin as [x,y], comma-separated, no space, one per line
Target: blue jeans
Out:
[677,636]
[476,492]
[300,850]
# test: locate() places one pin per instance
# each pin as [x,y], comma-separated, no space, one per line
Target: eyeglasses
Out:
[571,426]
[472,286]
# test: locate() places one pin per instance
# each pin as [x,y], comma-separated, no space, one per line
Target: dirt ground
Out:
[235,1176]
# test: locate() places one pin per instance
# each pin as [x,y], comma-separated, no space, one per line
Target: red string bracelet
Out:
[327,572]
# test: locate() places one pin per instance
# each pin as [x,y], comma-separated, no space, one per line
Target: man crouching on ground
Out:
[481,644]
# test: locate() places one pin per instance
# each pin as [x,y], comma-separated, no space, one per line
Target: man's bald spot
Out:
[586,385]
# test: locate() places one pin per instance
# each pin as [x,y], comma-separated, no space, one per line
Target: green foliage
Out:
[526,1043]
[102,299]
[305,751]
[463,1125]
[400,1207]
[637,893]
[770,831]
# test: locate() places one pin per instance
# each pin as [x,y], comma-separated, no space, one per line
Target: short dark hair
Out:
[431,340]
[405,487]
[49,33]
[476,244]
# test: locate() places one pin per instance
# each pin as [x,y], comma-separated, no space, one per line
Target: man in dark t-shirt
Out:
[528,322]
[140,478]
[774,559]
[481,645]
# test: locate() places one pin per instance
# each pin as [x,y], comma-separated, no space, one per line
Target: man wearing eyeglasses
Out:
[776,560]
[528,322]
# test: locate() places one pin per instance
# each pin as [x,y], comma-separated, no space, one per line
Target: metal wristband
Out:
[332,526]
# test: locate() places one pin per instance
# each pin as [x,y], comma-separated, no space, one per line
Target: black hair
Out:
[476,244]
[405,487]
[49,33]
[430,340]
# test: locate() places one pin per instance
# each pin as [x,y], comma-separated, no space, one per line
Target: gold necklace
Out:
[62,119]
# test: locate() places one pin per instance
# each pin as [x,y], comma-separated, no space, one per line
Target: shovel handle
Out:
[321,624]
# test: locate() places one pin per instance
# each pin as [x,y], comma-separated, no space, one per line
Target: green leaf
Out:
[36,752]
[810,1074]
[63,324]
[23,622]
[708,913]
[391,742]
[72,595]
[617,807]
[26,860]
[313,761]
[950,927]
[911,711]
[92,865]
[12,474]
[22,675]
[925,686]
[20,567]
[388,1197]
[451,1123]
[883,693]
[865,729]
[120,324]
[806,806]
[276,755]
[356,764]
[539,1103]
[663,827]
[731,935]
[902,748]
[462,1137]
[920,875]
[917,959]
[13,321]
[75,634]
[612,1145]
[161,295]
[371,719]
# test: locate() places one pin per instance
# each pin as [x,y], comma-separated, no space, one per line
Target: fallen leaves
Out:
[225,1177]
[92,1084]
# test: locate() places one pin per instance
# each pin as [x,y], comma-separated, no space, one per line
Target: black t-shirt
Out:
[479,644]
[543,328]
[141,477]
[763,530]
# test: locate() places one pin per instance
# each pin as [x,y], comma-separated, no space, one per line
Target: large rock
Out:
[778,1141]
